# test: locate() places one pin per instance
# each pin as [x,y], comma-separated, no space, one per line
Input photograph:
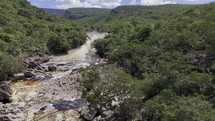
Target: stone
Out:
[19,76]
[29,74]
[5,93]
[5,118]
[32,65]
[108,114]
[52,68]
[88,115]
[45,60]
[99,118]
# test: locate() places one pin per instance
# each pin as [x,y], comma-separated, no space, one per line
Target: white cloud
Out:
[156,2]
[44,0]
[64,4]
[191,0]
[133,2]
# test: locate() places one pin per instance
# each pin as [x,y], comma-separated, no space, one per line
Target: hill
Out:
[128,15]
[59,12]
[149,13]
[88,15]
[27,29]
[173,60]
[100,18]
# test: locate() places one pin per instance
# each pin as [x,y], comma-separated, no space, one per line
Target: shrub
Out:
[9,65]
[168,107]
[58,45]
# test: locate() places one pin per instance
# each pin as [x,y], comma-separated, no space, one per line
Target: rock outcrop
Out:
[5,93]
[52,68]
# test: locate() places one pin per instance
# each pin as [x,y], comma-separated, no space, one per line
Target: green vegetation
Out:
[127,17]
[8,66]
[27,29]
[59,12]
[24,28]
[164,56]
[105,84]
[87,15]
[173,59]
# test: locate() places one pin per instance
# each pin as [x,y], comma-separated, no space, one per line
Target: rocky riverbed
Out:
[51,92]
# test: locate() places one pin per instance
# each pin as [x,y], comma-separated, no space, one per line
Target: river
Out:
[77,58]
[48,100]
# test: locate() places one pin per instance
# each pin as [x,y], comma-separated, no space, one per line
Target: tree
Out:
[9,65]
[169,107]
[58,45]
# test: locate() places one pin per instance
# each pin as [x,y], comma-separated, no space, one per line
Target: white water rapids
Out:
[77,58]
[35,100]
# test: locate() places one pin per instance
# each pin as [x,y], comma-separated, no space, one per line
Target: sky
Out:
[65,4]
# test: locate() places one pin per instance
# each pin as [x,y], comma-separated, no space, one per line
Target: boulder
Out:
[19,76]
[44,60]
[108,114]
[29,74]
[98,118]
[35,61]
[5,93]
[5,118]
[32,65]
[88,115]
[52,68]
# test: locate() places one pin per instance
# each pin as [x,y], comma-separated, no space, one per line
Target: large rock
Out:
[29,74]
[35,61]
[108,114]
[52,68]
[45,60]
[32,65]
[19,76]
[88,115]
[5,93]
[5,118]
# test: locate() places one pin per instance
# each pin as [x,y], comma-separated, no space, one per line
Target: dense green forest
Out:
[87,15]
[123,16]
[129,16]
[59,12]
[161,59]
[161,63]
[170,60]
[27,29]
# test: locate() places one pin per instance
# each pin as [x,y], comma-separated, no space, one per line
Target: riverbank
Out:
[57,97]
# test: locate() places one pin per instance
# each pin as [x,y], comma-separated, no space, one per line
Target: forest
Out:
[171,61]
[25,30]
[160,59]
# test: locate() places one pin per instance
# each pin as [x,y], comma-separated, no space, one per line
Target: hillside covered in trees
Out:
[171,62]
[159,61]
[59,12]
[84,15]
[27,29]
[128,16]
[105,19]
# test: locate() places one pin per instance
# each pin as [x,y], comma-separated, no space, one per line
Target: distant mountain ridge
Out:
[87,15]
[139,12]
[54,11]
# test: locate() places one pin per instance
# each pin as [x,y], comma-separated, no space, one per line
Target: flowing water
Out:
[57,98]
[77,58]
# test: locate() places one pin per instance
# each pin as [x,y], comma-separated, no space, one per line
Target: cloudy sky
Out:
[64,4]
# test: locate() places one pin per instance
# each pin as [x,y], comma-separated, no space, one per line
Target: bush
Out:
[168,107]
[9,65]
[58,45]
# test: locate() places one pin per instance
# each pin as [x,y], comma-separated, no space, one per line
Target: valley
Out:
[60,97]
[129,63]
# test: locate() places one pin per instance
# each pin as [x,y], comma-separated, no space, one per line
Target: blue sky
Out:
[64,4]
